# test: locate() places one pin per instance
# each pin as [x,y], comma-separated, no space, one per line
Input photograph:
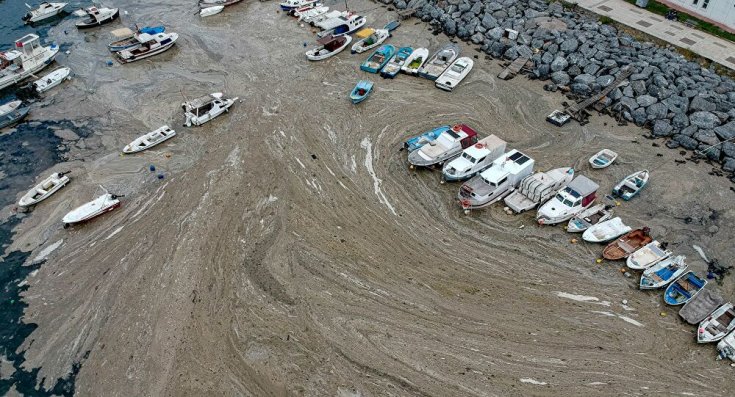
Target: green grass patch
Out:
[660,9]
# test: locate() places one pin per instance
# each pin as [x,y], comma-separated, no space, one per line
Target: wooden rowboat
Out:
[626,245]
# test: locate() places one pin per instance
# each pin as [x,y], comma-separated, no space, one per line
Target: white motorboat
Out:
[44,11]
[439,62]
[318,19]
[726,347]
[495,182]
[606,231]
[288,5]
[344,26]
[102,204]
[203,109]
[572,199]
[209,11]
[589,217]
[52,79]
[328,47]
[149,140]
[44,189]
[455,73]
[536,189]
[415,61]
[647,256]
[12,112]
[374,38]
[150,45]
[449,144]
[27,58]
[306,16]
[717,325]
[474,159]
[96,16]
[663,273]
[602,159]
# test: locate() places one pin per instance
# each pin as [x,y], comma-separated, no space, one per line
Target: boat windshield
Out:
[458,68]
[469,158]
[568,203]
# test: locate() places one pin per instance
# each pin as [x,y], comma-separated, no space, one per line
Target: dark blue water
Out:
[25,153]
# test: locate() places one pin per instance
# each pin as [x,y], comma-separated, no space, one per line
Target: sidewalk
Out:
[703,44]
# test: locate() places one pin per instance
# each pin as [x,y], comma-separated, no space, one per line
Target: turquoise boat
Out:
[417,142]
[361,91]
[378,59]
[394,66]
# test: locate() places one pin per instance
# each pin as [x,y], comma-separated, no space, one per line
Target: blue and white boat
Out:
[631,185]
[288,5]
[663,273]
[128,38]
[684,289]
[378,59]
[396,63]
[418,141]
[12,112]
[361,91]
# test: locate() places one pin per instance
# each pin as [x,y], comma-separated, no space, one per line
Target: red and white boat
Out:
[102,204]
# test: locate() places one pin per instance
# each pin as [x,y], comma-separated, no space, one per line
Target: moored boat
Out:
[436,65]
[27,57]
[288,5]
[344,25]
[394,65]
[683,289]
[127,37]
[602,159]
[102,204]
[538,188]
[627,244]
[606,231]
[589,217]
[647,256]
[663,273]
[52,79]
[149,140]
[372,39]
[311,13]
[496,182]
[216,3]
[717,325]
[415,61]
[209,11]
[378,59]
[572,199]
[97,17]
[44,11]
[726,347]
[450,143]
[328,47]
[474,159]
[150,45]
[361,91]
[203,109]
[44,189]
[454,74]
[631,185]
[416,142]
[12,112]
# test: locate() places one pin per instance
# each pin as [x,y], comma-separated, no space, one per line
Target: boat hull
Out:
[14,117]
[89,25]
[69,221]
[27,200]
[148,54]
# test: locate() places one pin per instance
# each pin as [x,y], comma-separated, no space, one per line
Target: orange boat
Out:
[626,245]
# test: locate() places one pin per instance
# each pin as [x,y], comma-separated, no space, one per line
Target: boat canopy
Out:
[583,185]
[326,39]
[122,32]
[10,55]
[365,33]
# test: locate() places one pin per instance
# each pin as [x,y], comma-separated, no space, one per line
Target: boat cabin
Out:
[202,105]
[581,191]
[445,56]
[331,43]
[25,47]
[459,66]
[466,135]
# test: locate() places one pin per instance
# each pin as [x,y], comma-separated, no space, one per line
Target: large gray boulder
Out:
[657,111]
[450,27]
[639,116]
[629,103]
[707,137]
[701,103]
[569,45]
[680,120]
[646,100]
[686,142]
[606,80]
[726,132]
[704,120]
[677,104]
[560,77]
[559,63]
[585,79]
[581,89]
[662,128]
[489,22]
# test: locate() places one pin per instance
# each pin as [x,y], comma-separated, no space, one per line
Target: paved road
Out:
[676,33]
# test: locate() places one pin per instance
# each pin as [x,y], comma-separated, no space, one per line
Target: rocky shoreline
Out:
[677,99]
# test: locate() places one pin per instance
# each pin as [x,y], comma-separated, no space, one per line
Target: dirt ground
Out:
[289,250]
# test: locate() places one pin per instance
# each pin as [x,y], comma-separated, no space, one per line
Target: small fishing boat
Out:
[664,272]
[684,289]
[311,13]
[328,47]
[361,91]
[52,79]
[589,217]
[209,11]
[701,306]
[374,38]
[102,204]
[538,188]
[150,45]
[572,199]
[289,5]
[436,65]
[203,109]
[717,325]
[327,19]
[416,142]
[605,231]
[603,158]
[12,112]
[149,140]
[344,26]
[647,256]
[378,59]
[631,185]
[455,73]
[415,61]
[448,145]
[27,57]
[127,37]
[726,347]
[496,182]
[626,245]
[44,11]
[394,65]
[44,189]
[474,159]
[212,3]
[392,25]
[96,16]
[295,12]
